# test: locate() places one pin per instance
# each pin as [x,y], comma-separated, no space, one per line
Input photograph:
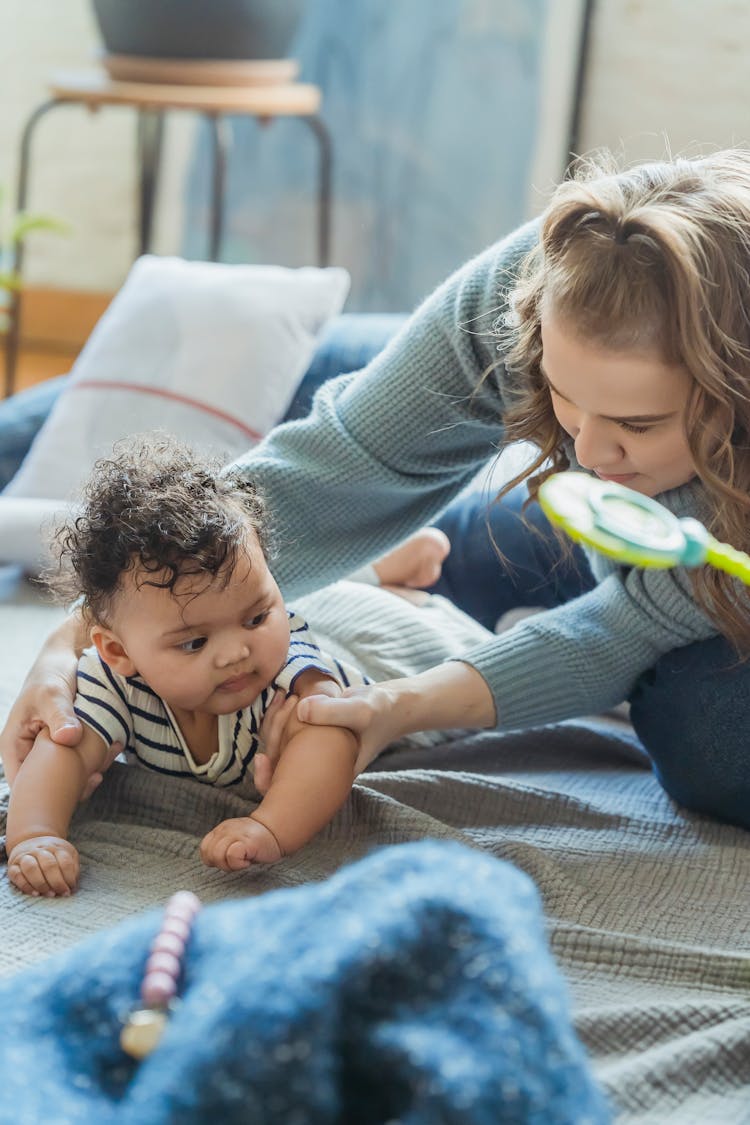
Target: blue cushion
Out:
[348,343]
[21,416]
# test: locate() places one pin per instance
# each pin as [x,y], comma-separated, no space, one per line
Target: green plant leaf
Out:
[9,280]
[25,223]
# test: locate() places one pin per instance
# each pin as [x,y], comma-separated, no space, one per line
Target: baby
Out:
[191,639]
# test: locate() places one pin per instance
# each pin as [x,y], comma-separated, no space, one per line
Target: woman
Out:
[618,341]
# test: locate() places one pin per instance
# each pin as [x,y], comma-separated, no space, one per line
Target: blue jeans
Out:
[690,711]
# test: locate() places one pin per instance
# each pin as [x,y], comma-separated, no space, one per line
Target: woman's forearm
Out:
[72,636]
[450,696]
[58,656]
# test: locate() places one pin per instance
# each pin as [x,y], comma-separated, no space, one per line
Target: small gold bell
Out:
[141,1034]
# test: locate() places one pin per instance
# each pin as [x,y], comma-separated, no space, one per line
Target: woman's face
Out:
[624,410]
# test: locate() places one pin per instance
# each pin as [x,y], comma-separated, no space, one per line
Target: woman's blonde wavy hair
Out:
[655,258]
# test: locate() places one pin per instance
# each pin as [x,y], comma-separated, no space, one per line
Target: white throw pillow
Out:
[210,352]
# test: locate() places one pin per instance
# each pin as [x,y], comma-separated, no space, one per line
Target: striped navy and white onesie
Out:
[124,709]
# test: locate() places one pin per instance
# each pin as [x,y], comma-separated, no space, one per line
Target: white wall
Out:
[659,69]
[668,74]
[83,164]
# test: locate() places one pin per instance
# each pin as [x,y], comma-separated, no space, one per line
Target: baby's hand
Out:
[237,843]
[44,865]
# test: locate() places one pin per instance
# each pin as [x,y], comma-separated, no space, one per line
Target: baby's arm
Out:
[46,790]
[310,682]
[312,779]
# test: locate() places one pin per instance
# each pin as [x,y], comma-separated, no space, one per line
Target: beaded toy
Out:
[145,1025]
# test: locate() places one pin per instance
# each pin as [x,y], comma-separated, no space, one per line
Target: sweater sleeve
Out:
[386,448]
[585,656]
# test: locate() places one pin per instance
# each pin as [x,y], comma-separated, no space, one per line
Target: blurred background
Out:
[450,120]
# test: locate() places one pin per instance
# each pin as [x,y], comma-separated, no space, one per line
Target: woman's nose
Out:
[595,445]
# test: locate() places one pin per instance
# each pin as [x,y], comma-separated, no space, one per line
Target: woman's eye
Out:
[254,622]
[634,429]
[195,644]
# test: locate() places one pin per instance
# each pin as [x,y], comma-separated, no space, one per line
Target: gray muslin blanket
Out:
[645,904]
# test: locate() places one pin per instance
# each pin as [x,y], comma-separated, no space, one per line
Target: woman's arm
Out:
[450,696]
[385,449]
[577,659]
[46,698]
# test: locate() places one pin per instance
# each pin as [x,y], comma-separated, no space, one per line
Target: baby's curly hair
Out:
[157,508]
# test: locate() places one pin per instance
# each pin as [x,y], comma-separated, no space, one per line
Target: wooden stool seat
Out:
[95,88]
[200,72]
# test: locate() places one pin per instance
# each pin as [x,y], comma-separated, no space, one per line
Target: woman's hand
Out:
[451,696]
[272,738]
[46,700]
[369,712]
[365,711]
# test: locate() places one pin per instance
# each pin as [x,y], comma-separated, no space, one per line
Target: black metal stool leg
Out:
[221,143]
[325,146]
[149,138]
[12,338]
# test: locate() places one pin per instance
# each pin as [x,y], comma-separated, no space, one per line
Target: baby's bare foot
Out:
[417,563]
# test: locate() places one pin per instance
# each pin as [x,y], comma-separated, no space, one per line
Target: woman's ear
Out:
[112,652]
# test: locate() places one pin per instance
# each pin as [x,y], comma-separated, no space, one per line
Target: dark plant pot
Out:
[198,29]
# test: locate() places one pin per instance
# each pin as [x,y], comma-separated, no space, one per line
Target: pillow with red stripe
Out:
[210,352]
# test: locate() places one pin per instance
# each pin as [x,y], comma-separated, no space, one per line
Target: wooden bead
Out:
[177,926]
[158,989]
[145,1026]
[142,1032]
[168,943]
[184,905]
[163,962]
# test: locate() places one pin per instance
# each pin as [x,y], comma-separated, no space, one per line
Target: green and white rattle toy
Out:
[632,528]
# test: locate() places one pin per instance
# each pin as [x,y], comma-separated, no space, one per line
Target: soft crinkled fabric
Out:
[645,903]
[414,986]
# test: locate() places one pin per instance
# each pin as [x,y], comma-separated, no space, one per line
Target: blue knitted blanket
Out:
[412,987]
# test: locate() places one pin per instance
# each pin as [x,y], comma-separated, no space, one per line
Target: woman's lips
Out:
[616,478]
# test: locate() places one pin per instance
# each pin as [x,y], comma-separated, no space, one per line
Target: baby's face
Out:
[206,647]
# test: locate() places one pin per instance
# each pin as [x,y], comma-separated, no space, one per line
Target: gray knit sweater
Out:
[385,449]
